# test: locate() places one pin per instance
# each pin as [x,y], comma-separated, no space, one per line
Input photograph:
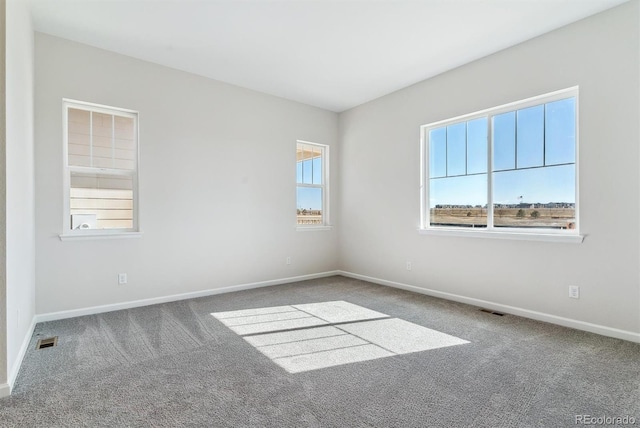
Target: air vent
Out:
[489,311]
[47,343]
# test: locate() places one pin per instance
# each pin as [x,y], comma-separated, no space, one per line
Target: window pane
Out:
[530,137]
[477,146]
[317,167]
[79,131]
[123,145]
[560,132]
[101,201]
[504,141]
[456,149]
[438,152]
[304,163]
[309,202]
[458,201]
[102,140]
[299,172]
[299,162]
[538,198]
[307,176]
[123,128]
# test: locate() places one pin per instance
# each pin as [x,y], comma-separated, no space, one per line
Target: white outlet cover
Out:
[574,291]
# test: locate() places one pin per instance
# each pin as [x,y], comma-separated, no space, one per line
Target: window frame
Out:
[491,231]
[84,234]
[326,224]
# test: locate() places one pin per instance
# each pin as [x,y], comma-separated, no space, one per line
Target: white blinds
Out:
[101,140]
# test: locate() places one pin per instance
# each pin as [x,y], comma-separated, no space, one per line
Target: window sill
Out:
[518,236]
[96,235]
[312,228]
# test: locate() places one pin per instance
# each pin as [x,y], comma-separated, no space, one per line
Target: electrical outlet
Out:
[288,260]
[122,278]
[574,291]
[408,265]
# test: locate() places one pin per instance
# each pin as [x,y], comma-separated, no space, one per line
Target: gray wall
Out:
[20,215]
[217,183]
[379,160]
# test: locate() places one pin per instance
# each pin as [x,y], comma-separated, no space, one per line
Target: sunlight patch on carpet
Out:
[313,336]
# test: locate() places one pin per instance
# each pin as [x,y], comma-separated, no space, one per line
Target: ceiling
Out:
[333,54]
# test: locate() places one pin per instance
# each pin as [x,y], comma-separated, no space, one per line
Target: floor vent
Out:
[47,343]
[489,311]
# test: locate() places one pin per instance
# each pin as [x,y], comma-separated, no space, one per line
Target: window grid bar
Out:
[102,171]
[446,151]
[544,135]
[515,138]
[305,148]
[313,153]
[490,172]
[459,175]
[466,148]
[113,140]
[91,138]
[321,154]
[311,186]
[302,163]
[535,167]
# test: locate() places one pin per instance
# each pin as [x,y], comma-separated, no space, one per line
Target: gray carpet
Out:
[176,365]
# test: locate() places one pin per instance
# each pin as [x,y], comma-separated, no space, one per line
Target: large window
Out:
[312,185]
[510,168]
[101,169]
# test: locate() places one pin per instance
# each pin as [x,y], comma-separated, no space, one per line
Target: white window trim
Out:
[69,234]
[88,236]
[518,234]
[326,223]
[313,227]
[549,235]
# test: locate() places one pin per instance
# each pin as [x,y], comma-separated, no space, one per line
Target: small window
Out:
[312,185]
[101,169]
[507,168]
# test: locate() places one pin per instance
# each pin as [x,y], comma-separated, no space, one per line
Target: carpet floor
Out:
[176,364]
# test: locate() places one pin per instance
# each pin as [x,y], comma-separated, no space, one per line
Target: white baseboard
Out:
[526,313]
[5,390]
[13,373]
[52,316]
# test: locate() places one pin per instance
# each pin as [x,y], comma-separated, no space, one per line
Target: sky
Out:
[534,158]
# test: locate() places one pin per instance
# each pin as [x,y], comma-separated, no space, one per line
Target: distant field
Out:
[544,217]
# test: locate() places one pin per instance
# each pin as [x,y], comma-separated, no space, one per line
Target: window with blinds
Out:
[102,167]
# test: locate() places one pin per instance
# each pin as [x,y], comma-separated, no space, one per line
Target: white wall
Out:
[4,386]
[379,160]
[20,215]
[217,183]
